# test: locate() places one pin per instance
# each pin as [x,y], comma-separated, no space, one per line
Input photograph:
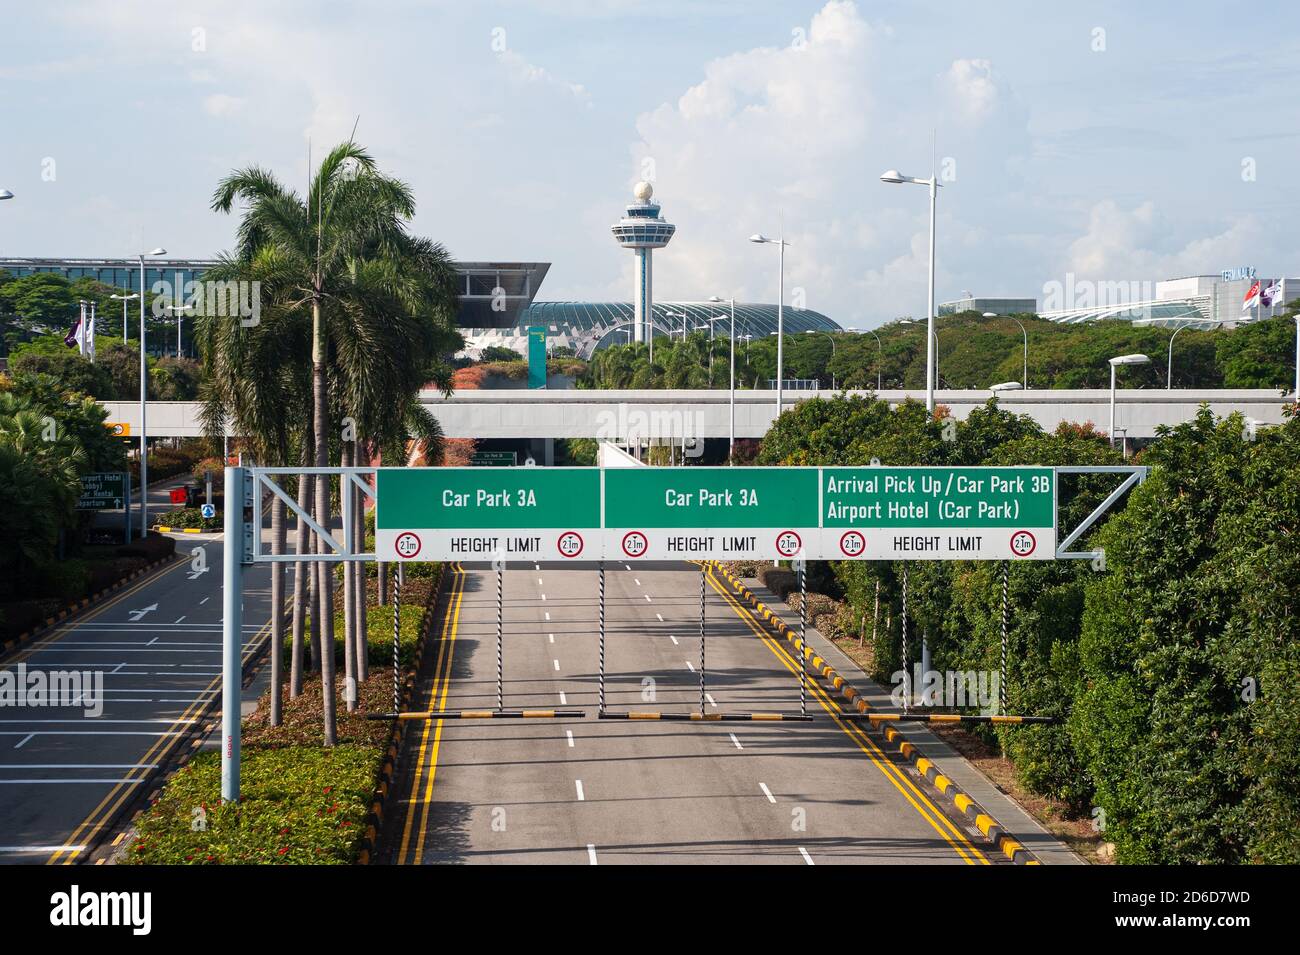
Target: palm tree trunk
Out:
[359,458]
[277,610]
[325,579]
[349,597]
[300,588]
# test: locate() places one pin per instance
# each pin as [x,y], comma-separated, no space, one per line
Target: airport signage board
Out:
[709,513]
[716,513]
[935,513]
[102,492]
[480,514]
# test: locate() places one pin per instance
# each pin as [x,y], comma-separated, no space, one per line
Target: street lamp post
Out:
[1025,372]
[731,429]
[1005,386]
[124,299]
[144,427]
[894,176]
[831,339]
[178,310]
[1114,364]
[682,316]
[780,243]
[880,356]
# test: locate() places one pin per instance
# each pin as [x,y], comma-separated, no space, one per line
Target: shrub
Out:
[65,580]
[298,804]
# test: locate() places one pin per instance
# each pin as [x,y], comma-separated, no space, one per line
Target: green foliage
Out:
[298,805]
[1187,715]
[974,352]
[494,353]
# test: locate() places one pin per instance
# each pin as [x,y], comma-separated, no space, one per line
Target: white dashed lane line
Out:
[569,735]
[591,853]
[806,857]
[736,741]
[582,797]
[767,792]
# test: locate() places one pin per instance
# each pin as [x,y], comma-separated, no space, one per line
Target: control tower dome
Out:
[642,229]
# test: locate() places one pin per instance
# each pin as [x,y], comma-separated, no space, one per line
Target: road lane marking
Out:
[637,581]
[673,639]
[162,747]
[690,666]
[736,741]
[539,581]
[647,598]
[40,849]
[563,700]
[709,697]
[660,616]
[767,792]
[961,844]
[543,596]
[557,665]
[437,702]
[203,601]
[182,617]
[19,744]
[569,734]
[582,797]
[806,857]
[551,637]
[591,853]
[547,613]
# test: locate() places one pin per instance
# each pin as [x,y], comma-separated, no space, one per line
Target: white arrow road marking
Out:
[137,615]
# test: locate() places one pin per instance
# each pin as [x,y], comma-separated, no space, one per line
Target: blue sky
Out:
[1114,141]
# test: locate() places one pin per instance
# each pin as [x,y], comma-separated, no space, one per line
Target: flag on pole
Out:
[1269,295]
[1252,297]
[73,338]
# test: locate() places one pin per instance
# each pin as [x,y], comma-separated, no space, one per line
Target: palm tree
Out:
[380,302]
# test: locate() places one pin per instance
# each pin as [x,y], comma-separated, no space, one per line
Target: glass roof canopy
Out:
[600,324]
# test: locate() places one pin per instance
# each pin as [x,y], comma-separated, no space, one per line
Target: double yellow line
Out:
[426,763]
[917,799]
[160,750]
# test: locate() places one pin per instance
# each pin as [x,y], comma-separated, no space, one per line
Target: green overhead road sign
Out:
[103,492]
[482,514]
[716,513]
[494,459]
[934,513]
[709,513]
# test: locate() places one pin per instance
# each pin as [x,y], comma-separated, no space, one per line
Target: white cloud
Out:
[971,89]
[527,72]
[1134,243]
[222,104]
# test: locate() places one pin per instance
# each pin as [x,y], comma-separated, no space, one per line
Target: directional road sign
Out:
[487,513]
[102,492]
[716,513]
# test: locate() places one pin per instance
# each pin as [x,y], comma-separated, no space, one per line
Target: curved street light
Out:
[780,244]
[893,176]
[1136,359]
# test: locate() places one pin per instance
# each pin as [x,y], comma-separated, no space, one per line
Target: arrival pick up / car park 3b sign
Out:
[716,513]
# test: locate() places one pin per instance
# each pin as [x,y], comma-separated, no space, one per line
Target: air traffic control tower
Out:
[643,230]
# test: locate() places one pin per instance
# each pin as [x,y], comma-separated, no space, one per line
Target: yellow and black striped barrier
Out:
[483,715]
[943,718]
[707,717]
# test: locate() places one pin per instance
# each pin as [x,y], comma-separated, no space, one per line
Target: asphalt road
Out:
[589,791]
[66,772]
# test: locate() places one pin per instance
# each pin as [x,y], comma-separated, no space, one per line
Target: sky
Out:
[1094,142]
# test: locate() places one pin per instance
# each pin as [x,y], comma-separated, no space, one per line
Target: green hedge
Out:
[298,804]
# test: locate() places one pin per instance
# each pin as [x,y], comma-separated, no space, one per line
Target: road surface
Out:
[65,774]
[588,791]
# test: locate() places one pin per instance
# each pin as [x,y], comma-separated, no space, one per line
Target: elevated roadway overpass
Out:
[613,415]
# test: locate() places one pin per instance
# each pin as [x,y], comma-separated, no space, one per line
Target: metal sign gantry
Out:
[719,491]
